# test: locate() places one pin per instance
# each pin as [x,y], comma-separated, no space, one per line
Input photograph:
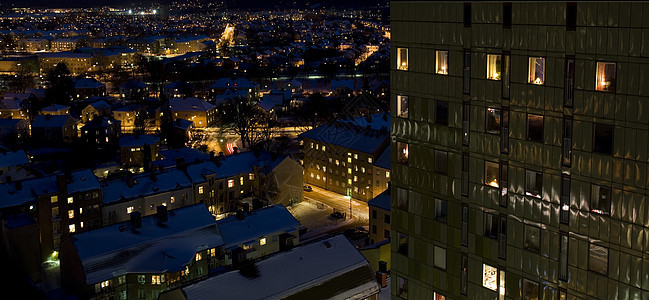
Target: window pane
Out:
[402,288]
[402,106]
[532,238]
[536,70]
[440,210]
[402,153]
[441,62]
[441,112]
[530,290]
[441,162]
[402,59]
[605,77]
[464,281]
[493,120]
[403,244]
[563,257]
[598,259]
[535,128]
[440,258]
[603,140]
[533,183]
[494,66]
[492,173]
[491,226]
[489,277]
[600,200]
[402,198]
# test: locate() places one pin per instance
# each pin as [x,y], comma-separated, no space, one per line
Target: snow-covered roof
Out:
[82,181]
[55,108]
[53,121]
[381,201]
[138,140]
[99,105]
[8,159]
[11,103]
[87,83]
[189,104]
[384,160]
[190,155]
[15,194]
[326,269]
[256,224]
[17,96]
[11,123]
[228,83]
[145,185]
[65,54]
[352,134]
[133,85]
[115,250]
[183,124]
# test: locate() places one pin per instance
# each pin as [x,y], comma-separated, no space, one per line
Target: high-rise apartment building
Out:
[520,150]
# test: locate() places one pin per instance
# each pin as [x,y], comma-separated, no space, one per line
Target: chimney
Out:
[162,214]
[136,219]
[62,184]
[240,215]
[180,164]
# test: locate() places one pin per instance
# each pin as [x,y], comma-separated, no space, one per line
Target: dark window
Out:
[535,128]
[465,225]
[533,183]
[465,174]
[403,244]
[386,233]
[563,256]
[465,123]
[565,199]
[571,16]
[530,290]
[603,138]
[507,15]
[466,75]
[386,219]
[502,237]
[402,153]
[402,288]
[402,198]
[374,214]
[567,141]
[374,229]
[441,112]
[569,82]
[493,120]
[598,259]
[440,210]
[464,282]
[441,162]
[467,14]
[491,226]
[504,175]
[532,238]
[600,200]
[505,75]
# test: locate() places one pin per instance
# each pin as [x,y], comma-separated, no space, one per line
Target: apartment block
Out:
[519,150]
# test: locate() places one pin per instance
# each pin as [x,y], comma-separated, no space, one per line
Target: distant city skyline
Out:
[251,4]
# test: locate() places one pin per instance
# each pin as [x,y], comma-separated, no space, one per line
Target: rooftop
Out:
[138,140]
[50,120]
[353,134]
[8,159]
[115,250]
[326,269]
[144,185]
[257,223]
[381,201]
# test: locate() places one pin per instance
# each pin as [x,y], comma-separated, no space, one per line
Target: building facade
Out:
[519,157]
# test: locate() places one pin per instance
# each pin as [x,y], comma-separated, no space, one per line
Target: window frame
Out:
[400,65]
[440,266]
[489,111]
[441,210]
[441,167]
[596,196]
[445,106]
[403,153]
[527,183]
[494,69]
[598,149]
[537,286]
[401,113]
[533,139]
[590,257]
[599,79]
[540,81]
[443,69]
[527,230]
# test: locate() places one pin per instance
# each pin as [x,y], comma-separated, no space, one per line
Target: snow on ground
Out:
[316,219]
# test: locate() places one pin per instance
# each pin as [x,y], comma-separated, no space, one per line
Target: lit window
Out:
[71,228]
[493,121]
[157,279]
[317,147]
[199,256]
[129,209]
[337,162]
[493,66]
[70,214]
[70,200]
[200,190]
[402,153]
[105,284]
[349,160]
[262,241]
[441,65]
[387,174]
[402,59]
[605,77]
[402,106]
[355,178]
[349,181]
[600,200]
[251,176]
[489,277]
[231,183]
[437,296]
[324,148]
[369,160]
[536,70]
[311,145]
[54,199]
[491,174]
[349,170]
[173,199]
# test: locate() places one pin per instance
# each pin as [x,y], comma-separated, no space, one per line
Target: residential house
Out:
[139,150]
[101,132]
[88,87]
[380,219]
[127,115]
[133,90]
[13,131]
[223,85]
[56,109]
[196,110]
[55,129]
[99,108]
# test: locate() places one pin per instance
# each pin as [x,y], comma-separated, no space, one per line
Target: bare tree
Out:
[241,116]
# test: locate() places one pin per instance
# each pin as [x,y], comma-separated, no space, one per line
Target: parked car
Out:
[337,215]
[356,233]
[308,188]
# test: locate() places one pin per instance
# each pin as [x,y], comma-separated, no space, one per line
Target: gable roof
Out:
[8,159]
[115,250]
[144,185]
[353,134]
[52,121]
[257,223]
[138,140]
[381,201]
[189,104]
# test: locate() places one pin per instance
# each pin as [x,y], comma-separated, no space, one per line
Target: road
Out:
[341,203]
